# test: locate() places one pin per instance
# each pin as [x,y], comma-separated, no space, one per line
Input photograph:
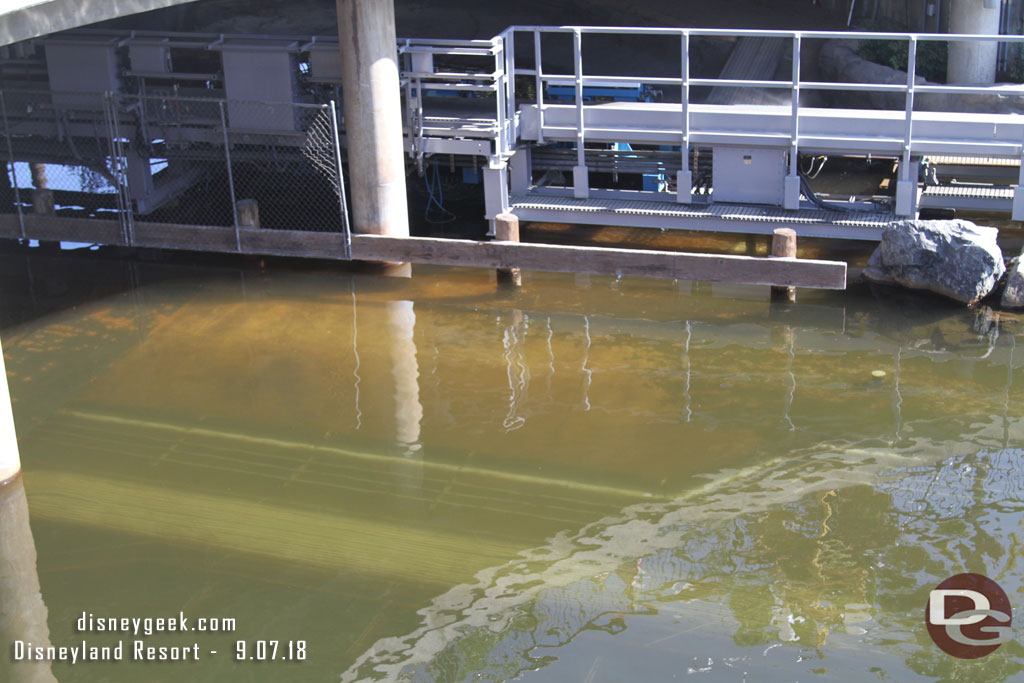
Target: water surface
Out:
[429,479]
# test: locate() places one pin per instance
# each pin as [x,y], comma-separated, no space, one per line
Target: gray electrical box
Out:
[82,64]
[256,78]
[324,63]
[749,175]
[149,57]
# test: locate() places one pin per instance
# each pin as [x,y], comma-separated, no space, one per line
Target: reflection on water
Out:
[22,610]
[429,479]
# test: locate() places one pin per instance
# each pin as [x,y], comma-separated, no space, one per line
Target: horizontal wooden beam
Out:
[547,257]
[603,261]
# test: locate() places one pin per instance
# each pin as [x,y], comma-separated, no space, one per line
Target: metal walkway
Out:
[719,217]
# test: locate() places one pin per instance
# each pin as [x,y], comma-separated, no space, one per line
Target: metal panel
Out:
[82,66]
[260,75]
[746,175]
[325,63]
[149,57]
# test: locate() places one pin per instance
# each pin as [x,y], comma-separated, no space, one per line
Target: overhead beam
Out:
[24,19]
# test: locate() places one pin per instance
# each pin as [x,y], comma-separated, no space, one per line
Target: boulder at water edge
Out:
[1013,295]
[953,258]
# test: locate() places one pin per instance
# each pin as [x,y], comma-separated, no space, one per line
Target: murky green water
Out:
[590,480]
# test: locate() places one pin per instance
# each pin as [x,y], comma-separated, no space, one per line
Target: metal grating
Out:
[969,191]
[728,212]
[973,161]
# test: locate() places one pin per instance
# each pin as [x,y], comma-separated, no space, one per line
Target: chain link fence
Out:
[164,159]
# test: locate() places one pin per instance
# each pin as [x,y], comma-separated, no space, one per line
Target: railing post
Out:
[117,168]
[499,86]
[419,125]
[791,195]
[510,90]
[539,84]
[906,186]
[231,177]
[684,177]
[14,170]
[580,178]
[1018,192]
[343,205]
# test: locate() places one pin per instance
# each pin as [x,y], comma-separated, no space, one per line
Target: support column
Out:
[373,117]
[973,62]
[10,462]
[495,193]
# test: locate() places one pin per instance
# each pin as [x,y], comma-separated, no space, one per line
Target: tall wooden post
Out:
[506,229]
[42,195]
[373,116]
[784,246]
[248,211]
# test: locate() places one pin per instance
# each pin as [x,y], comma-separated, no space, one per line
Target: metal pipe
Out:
[539,85]
[911,77]
[577,44]
[795,107]
[510,91]
[342,203]
[685,97]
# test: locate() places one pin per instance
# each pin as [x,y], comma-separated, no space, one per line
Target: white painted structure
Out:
[10,462]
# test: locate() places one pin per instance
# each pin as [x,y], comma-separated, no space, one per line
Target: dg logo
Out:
[968,616]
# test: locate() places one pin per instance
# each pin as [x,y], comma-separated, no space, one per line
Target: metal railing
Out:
[795,85]
[488,78]
[160,158]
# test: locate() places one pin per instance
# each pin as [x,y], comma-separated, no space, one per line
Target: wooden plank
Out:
[293,243]
[187,237]
[602,261]
[62,228]
[547,257]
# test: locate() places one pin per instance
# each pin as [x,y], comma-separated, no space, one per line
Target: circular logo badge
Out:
[968,616]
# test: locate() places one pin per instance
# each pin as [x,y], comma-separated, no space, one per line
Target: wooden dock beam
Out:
[603,261]
[778,272]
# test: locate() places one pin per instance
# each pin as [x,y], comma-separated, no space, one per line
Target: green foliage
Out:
[931,55]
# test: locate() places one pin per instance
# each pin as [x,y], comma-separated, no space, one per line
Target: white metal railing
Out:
[420,75]
[580,79]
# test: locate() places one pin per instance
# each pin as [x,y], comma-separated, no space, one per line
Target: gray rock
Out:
[956,258]
[1013,295]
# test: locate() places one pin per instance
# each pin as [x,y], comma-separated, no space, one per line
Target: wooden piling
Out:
[506,229]
[784,246]
[248,213]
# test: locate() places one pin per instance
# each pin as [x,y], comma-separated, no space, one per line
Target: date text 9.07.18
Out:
[270,650]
